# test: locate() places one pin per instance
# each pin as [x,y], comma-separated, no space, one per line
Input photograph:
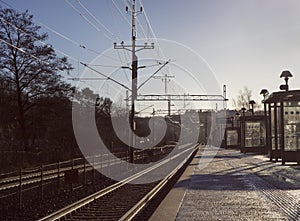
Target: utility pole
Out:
[133,48]
[224,95]
[166,79]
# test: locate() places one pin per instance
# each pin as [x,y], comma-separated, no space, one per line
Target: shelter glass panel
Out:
[273,128]
[292,126]
[279,125]
[232,137]
[255,134]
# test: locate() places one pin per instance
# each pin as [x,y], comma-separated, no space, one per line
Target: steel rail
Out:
[79,204]
[145,200]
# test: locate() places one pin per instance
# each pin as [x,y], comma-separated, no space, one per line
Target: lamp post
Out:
[237,117]
[286,75]
[243,128]
[251,103]
[265,92]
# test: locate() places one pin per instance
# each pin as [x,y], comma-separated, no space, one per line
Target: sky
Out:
[242,42]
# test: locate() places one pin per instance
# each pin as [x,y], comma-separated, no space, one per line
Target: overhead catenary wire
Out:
[96,19]
[61,35]
[23,51]
[127,3]
[119,10]
[73,41]
[86,19]
[104,75]
[159,51]
[141,85]
[26,52]
[64,36]
[126,56]
[35,38]
[69,39]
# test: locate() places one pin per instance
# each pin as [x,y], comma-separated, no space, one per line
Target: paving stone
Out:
[227,189]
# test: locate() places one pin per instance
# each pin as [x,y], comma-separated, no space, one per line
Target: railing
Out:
[39,177]
[26,179]
[81,203]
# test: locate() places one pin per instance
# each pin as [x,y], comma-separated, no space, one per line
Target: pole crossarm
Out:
[129,47]
[189,97]
[133,48]
[91,79]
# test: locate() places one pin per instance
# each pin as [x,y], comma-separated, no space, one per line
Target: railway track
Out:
[52,174]
[53,171]
[122,200]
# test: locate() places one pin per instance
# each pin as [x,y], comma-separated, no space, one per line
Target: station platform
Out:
[224,184]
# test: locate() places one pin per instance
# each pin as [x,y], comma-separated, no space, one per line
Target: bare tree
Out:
[29,65]
[243,98]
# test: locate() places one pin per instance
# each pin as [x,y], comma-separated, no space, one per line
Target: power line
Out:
[66,38]
[97,20]
[17,28]
[127,4]
[69,39]
[166,79]
[109,78]
[154,36]
[133,48]
[86,19]
[105,66]
[36,58]
[141,85]
[63,36]
[100,23]
[124,52]
[23,51]
[119,10]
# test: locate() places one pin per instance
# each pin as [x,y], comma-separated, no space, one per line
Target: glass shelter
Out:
[232,137]
[253,134]
[284,126]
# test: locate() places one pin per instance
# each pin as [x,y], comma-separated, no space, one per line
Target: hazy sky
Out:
[245,42]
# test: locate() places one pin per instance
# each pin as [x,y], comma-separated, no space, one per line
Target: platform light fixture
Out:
[286,74]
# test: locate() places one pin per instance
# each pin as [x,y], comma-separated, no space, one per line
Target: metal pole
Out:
[127,100]
[42,186]
[58,175]
[169,106]
[20,188]
[265,151]
[134,82]
[72,172]
[84,170]
[101,163]
[206,130]
[94,171]
[134,69]
[153,132]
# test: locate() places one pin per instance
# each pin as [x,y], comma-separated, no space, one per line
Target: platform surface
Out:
[224,184]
